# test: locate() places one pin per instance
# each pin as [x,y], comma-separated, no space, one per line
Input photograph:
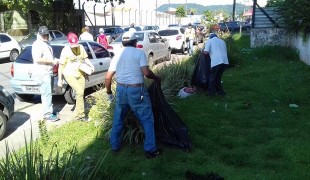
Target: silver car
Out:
[30,38]
[154,46]
[26,87]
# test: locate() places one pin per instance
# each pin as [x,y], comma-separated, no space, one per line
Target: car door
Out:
[100,58]
[6,46]
[162,46]
[154,46]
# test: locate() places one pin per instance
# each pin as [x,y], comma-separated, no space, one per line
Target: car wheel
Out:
[168,57]
[13,55]
[3,124]
[70,95]
[24,97]
[151,60]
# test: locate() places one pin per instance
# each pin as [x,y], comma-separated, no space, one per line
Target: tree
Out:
[180,13]
[208,15]
[274,3]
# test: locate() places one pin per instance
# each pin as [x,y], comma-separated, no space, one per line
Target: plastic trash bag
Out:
[169,128]
[200,77]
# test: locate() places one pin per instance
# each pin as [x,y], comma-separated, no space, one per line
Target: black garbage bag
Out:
[169,128]
[200,77]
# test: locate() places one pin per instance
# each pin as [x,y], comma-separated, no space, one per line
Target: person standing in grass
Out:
[217,50]
[130,66]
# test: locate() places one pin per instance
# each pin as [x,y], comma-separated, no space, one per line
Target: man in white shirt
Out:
[42,54]
[130,66]
[217,50]
[86,35]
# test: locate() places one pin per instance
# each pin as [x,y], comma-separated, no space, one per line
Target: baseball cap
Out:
[43,30]
[73,39]
[101,30]
[129,35]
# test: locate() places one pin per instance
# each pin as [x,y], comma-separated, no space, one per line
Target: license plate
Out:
[32,88]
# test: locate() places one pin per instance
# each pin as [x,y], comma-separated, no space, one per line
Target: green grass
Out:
[251,133]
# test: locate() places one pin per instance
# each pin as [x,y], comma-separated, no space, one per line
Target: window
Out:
[157,37]
[58,34]
[90,56]
[168,32]
[57,51]
[152,38]
[4,38]
[25,56]
[99,51]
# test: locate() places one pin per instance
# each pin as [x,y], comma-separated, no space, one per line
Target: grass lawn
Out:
[259,130]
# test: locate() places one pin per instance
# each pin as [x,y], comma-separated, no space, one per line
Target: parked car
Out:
[136,28]
[113,32]
[9,47]
[30,38]
[23,71]
[175,37]
[6,109]
[151,28]
[154,46]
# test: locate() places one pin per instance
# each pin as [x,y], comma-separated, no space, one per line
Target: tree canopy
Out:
[180,12]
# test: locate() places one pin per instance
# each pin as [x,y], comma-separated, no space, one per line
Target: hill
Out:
[200,8]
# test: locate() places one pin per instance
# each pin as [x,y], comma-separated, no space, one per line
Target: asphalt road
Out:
[23,125]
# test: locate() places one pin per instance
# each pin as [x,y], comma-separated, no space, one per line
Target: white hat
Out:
[129,35]
[101,30]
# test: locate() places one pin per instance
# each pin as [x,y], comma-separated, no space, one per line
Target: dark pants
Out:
[215,85]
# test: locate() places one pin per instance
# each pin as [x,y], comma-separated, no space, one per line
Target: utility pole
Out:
[156,13]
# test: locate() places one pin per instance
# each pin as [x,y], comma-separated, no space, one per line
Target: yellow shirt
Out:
[72,62]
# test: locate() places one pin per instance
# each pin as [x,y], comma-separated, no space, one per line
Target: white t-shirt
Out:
[41,49]
[127,66]
[217,50]
[86,36]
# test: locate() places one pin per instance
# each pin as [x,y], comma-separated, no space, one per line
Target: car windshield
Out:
[140,37]
[148,28]
[109,30]
[25,56]
[168,32]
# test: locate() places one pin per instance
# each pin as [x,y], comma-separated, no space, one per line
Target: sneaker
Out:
[52,118]
[152,154]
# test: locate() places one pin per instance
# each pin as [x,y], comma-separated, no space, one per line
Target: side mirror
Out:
[112,54]
[164,40]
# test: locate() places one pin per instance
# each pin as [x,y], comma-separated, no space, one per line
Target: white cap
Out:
[129,35]
[101,30]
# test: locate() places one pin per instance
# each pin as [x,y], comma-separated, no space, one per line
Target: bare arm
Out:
[108,81]
[149,74]
[45,61]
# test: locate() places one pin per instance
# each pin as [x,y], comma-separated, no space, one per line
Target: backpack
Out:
[103,40]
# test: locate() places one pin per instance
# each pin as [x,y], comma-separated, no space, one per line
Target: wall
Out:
[279,37]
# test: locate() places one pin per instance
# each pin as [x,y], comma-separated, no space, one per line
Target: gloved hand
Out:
[110,97]
[59,83]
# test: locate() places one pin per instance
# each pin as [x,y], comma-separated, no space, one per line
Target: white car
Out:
[9,47]
[175,36]
[154,46]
